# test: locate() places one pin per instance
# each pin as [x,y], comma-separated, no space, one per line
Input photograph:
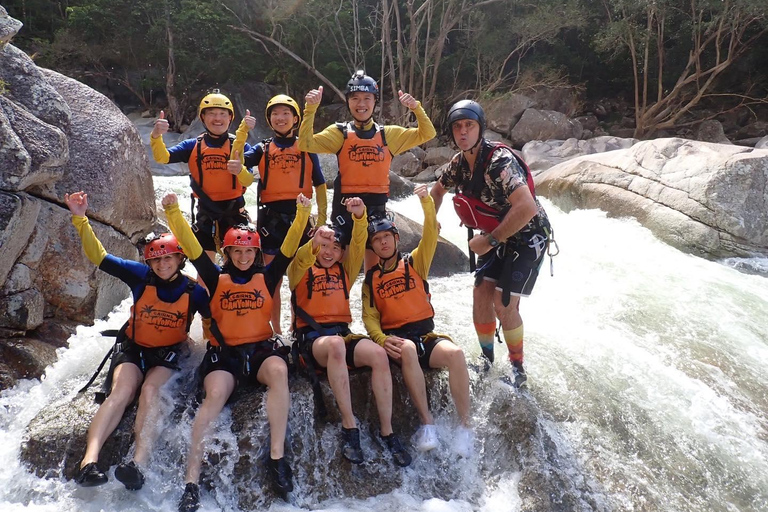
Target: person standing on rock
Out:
[284,173]
[494,193]
[363,148]
[149,345]
[320,278]
[398,315]
[219,190]
[242,349]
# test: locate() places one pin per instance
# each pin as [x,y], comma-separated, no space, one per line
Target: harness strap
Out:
[266,143]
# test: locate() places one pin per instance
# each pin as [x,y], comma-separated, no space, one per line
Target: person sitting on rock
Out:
[490,179]
[284,173]
[363,148]
[219,190]
[242,349]
[148,347]
[398,315]
[320,283]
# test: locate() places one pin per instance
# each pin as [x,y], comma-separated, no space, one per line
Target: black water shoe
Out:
[190,500]
[281,475]
[487,354]
[130,475]
[400,455]
[521,378]
[90,476]
[350,447]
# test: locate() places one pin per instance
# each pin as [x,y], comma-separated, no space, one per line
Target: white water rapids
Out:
[648,366]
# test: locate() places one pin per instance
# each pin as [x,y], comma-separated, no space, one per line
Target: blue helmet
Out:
[466,109]
[360,82]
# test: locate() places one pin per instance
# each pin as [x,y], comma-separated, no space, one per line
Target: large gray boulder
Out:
[707,199]
[544,125]
[503,112]
[541,155]
[511,443]
[58,136]
[8,26]
[106,159]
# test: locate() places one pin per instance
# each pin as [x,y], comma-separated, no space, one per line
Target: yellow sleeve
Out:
[401,139]
[293,237]
[245,177]
[321,195]
[356,249]
[305,258]
[159,151]
[423,254]
[91,245]
[329,140]
[241,135]
[183,232]
[372,318]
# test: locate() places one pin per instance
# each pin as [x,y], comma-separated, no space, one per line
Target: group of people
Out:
[239,300]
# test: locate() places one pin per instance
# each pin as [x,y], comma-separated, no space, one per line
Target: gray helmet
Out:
[360,82]
[341,236]
[466,109]
[377,225]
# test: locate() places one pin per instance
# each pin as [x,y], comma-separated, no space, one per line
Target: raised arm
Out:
[77,202]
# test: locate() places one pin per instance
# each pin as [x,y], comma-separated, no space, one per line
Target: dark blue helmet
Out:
[360,82]
[377,225]
[466,109]
[341,236]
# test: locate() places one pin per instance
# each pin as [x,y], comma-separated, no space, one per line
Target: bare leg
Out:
[330,352]
[414,381]
[126,380]
[274,374]
[218,385]
[368,353]
[148,414]
[448,355]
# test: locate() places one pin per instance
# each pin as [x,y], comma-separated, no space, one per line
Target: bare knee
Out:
[276,374]
[337,349]
[380,360]
[408,352]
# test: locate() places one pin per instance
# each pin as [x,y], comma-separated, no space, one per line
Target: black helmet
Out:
[340,236]
[466,109]
[360,82]
[377,225]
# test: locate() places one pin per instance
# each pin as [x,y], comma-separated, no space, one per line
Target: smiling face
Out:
[329,254]
[361,105]
[216,120]
[466,133]
[384,244]
[282,119]
[242,257]
[166,266]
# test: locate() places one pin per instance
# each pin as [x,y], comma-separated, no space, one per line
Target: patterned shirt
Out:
[501,177]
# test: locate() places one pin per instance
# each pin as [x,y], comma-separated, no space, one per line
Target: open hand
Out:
[77,202]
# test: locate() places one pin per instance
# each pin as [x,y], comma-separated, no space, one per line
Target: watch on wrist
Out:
[492,241]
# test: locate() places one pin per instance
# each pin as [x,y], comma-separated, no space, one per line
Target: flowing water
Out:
[646,365]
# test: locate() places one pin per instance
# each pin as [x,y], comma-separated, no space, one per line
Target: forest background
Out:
[672,63]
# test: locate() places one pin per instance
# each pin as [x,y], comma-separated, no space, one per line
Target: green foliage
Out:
[3,87]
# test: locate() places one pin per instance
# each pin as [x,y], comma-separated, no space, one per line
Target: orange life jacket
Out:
[401,296]
[284,173]
[242,311]
[324,295]
[208,168]
[154,323]
[364,163]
